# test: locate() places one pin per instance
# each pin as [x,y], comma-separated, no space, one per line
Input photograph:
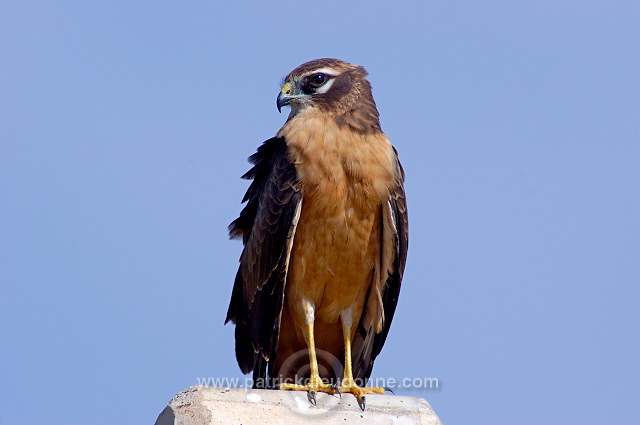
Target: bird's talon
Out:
[336,389]
[388,389]
[311,395]
[362,401]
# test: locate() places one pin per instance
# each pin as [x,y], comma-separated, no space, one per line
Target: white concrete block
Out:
[200,405]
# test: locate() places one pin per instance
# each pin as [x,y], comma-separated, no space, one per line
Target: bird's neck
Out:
[332,159]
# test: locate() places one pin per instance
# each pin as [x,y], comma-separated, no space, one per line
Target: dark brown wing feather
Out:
[368,344]
[265,224]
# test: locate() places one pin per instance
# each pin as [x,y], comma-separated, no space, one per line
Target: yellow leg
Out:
[315,384]
[348,385]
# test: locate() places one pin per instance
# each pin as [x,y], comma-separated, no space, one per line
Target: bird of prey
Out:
[325,233]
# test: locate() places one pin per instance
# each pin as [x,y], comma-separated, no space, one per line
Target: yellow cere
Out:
[286,89]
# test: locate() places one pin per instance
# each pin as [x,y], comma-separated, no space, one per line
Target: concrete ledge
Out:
[199,405]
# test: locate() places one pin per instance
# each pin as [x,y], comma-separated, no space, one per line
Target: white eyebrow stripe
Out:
[325,88]
[329,71]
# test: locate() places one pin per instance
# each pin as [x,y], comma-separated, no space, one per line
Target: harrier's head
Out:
[332,87]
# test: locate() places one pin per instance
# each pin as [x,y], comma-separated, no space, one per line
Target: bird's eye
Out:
[316,80]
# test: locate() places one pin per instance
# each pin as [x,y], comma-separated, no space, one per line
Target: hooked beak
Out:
[287,95]
[283,100]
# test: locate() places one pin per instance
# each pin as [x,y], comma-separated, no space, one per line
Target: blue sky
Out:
[124,128]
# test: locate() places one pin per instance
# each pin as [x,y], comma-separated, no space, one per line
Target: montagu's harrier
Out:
[325,236]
